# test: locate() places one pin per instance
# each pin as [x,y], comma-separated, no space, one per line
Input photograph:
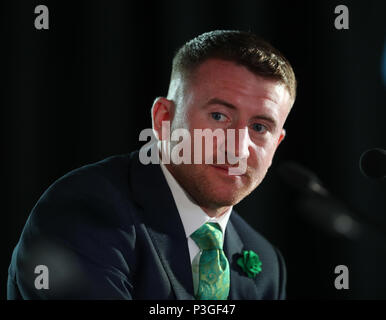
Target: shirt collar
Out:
[192,216]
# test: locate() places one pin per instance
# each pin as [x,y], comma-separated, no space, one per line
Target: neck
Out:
[215,212]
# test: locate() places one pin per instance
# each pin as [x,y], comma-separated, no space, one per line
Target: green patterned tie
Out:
[214,266]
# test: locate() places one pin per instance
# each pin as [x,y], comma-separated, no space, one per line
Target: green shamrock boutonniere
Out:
[250,263]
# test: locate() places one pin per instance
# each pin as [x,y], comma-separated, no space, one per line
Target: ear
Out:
[162,110]
[282,136]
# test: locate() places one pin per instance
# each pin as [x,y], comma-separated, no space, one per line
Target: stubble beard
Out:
[193,180]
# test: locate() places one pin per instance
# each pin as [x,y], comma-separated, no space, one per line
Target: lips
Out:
[224,168]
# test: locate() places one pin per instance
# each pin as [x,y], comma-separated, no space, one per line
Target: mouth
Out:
[225,169]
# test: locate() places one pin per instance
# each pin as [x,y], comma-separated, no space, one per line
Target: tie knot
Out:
[208,236]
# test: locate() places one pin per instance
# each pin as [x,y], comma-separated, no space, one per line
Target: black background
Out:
[82,91]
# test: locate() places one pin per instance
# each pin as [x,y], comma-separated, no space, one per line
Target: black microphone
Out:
[317,204]
[301,178]
[373,163]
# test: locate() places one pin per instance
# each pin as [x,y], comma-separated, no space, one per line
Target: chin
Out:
[209,189]
[221,197]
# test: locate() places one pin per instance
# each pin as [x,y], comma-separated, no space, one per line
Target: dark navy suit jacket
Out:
[111,230]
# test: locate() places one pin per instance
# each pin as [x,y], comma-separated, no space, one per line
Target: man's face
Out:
[224,95]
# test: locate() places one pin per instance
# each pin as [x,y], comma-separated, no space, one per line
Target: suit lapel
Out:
[241,287]
[164,224]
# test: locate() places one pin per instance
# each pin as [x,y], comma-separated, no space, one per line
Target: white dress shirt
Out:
[192,216]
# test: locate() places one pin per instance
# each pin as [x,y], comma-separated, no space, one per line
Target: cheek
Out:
[261,157]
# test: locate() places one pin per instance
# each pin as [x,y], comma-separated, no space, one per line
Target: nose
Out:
[242,143]
[238,142]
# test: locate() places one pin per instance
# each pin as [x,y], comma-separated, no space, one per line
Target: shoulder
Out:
[89,189]
[94,197]
[107,173]
[81,225]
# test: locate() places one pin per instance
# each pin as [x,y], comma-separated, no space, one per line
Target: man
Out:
[120,229]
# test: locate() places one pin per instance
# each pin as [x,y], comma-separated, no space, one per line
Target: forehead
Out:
[234,81]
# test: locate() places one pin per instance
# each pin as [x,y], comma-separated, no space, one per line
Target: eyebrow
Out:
[233,107]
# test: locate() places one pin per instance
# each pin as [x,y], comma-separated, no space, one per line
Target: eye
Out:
[260,128]
[218,116]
